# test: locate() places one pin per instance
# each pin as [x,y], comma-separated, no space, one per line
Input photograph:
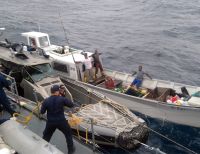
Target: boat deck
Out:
[37,126]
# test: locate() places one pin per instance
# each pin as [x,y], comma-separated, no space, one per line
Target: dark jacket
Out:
[3,83]
[54,105]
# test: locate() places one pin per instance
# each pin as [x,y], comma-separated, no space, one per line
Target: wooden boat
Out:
[152,104]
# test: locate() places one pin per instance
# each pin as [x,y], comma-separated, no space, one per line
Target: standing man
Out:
[54,105]
[139,77]
[88,75]
[3,98]
[97,63]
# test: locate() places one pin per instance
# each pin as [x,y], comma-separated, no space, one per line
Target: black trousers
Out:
[63,127]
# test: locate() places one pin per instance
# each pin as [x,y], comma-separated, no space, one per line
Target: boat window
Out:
[38,72]
[27,76]
[61,67]
[32,42]
[44,41]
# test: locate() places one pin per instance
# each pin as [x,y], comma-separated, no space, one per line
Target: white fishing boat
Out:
[153,103]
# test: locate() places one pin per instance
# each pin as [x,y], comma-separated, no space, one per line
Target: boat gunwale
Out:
[144,100]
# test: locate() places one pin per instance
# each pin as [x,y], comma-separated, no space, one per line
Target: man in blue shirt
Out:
[54,105]
[3,98]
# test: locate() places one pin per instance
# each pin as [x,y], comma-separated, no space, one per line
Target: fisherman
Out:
[139,77]
[54,105]
[97,63]
[3,98]
[88,75]
[32,46]
[109,83]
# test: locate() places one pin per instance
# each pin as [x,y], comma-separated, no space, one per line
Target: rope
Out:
[29,117]
[26,119]
[111,103]
[78,133]
[86,135]
[74,121]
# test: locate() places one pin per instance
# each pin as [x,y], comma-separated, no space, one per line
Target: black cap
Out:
[55,88]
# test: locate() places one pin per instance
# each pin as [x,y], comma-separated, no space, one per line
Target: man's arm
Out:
[134,73]
[92,55]
[43,108]
[148,75]
[78,62]
[68,103]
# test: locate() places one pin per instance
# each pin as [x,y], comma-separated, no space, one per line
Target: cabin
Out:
[66,60]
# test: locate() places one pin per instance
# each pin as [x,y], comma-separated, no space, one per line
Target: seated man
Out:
[139,77]
[109,83]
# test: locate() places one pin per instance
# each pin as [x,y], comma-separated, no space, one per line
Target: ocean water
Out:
[161,35]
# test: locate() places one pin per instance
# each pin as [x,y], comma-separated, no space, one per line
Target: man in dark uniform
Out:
[54,105]
[3,98]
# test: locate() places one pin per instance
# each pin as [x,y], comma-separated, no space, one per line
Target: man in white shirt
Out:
[88,76]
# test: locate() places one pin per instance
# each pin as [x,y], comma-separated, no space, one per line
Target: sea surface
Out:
[161,35]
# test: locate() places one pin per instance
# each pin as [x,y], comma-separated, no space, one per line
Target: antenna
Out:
[77,68]
[64,29]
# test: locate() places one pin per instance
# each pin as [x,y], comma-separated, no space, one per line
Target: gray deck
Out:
[37,126]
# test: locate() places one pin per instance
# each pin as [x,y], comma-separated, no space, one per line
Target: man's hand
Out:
[76,109]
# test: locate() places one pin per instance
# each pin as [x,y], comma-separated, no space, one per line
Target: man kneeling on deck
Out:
[54,105]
